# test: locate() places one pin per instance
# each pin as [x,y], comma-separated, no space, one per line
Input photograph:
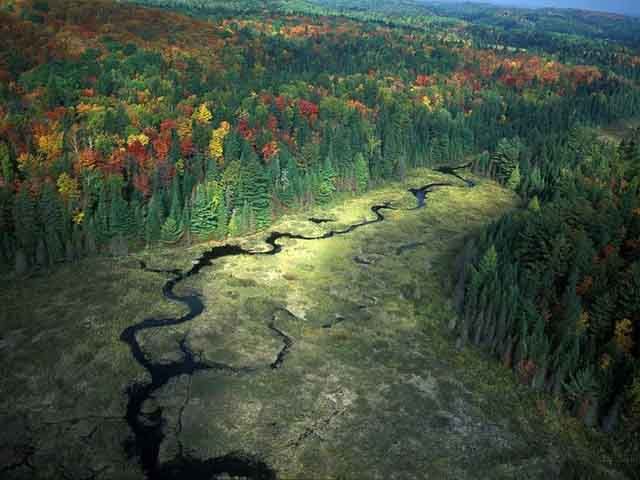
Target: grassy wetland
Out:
[371,384]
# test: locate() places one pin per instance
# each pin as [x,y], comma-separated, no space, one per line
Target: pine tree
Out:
[506,158]
[174,150]
[326,182]
[235,227]
[54,95]
[41,253]
[201,141]
[101,217]
[153,220]
[289,181]
[285,187]
[90,242]
[630,291]
[361,173]
[137,220]
[6,167]
[534,204]
[401,167]
[51,218]
[171,230]
[246,219]
[175,209]
[489,263]
[221,219]
[203,220]
[25,221]
[186,221]
[260,198]
[7,250]
[77,241]
[514,179]
[120,221]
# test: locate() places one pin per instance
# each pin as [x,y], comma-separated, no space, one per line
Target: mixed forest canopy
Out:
[124,125]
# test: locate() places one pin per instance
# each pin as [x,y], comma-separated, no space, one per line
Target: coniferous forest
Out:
[148,130]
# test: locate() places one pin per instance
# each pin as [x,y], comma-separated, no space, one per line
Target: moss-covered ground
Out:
[373,386]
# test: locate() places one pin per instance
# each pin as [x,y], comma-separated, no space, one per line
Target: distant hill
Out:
[626,7]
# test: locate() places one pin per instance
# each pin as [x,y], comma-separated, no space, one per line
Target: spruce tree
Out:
[506,158]
[90,242]
[137,220]
[52,220]
[361,173]
[246,219]
[326,182]
[101,217]
[25,218]
[120,222]
[221,218]
[6,166]
[260,198]
[171,230]
[203,219]
[235,227]
[153,220]
[514,179]
[175,209]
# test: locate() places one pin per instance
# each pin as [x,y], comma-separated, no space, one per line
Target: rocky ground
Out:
[372,385]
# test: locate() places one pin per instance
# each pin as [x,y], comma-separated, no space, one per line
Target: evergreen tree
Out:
[489,263]
[235,224]
[246,219]
[401,167]
[221,218]
[326,182]
[514,179]
[120,222]
[506,158]
[259,198]
[101,217]
[6,166]
[361,173]
[175,209]
[25,219]
[54,95]
[153,220]
[171,230]
[203,220]
[137,220]
[90,242]
[51,218]
[186,221]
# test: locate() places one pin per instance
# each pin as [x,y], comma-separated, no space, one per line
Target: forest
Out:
[131,126]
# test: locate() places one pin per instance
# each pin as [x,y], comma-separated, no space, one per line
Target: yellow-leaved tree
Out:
[68,187]
[624,335]
[202,114]
[141,137]
[216,146]
[50,145]
[184,128]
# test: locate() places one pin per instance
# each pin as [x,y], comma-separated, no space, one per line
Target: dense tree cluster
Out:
[554,289]
[134,132]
